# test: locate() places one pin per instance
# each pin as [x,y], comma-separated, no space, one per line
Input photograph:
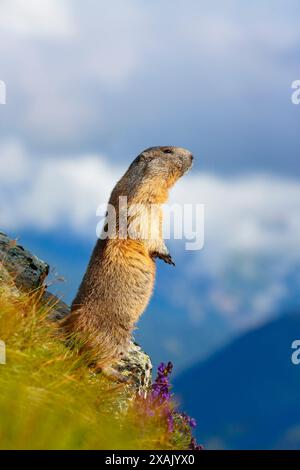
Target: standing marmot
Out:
[119,280]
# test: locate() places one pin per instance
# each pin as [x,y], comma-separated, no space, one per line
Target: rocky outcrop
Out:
[30,273]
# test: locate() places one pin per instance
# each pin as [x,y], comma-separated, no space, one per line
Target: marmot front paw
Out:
[167,258]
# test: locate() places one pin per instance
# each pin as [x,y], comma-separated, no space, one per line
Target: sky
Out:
[91,84]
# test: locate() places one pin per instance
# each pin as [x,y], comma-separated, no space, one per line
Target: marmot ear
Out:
[142,157]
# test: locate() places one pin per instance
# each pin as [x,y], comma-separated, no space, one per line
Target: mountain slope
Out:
[247,396]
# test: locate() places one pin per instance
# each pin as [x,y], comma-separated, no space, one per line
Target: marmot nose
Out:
[191,157]
[187,161]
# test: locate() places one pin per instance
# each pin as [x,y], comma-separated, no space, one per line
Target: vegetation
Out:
[50,399]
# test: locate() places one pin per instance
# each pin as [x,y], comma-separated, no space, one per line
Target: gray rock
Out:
[59,308]
[27,270]
[137,367]
[29,273]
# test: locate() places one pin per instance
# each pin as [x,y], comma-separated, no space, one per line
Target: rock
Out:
[29,273]
[137,367]
[59,308]
[8,287]
[27,270]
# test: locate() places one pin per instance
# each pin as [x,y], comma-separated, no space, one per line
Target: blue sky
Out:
[91,84]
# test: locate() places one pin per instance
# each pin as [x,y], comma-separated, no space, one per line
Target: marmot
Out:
[118,283]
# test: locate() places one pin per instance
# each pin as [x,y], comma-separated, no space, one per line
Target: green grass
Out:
[50,399]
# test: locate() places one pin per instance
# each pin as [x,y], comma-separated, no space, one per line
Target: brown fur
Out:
[119,280]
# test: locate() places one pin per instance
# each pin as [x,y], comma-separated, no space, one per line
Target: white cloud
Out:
[61,83]
[52,193]
[136,54]
[14,166]
[252,246]
[258,213]
[36,17]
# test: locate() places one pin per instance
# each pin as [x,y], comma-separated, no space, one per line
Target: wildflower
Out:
[192,423]
[164,370]
[189,421]
[161,386]
[159,403]
[194,445]
[170,422]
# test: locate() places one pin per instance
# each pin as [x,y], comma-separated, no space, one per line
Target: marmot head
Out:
[174,161]
[153,173]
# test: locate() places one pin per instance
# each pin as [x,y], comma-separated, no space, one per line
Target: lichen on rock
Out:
[28,271]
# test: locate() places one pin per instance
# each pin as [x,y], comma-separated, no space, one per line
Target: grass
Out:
[50,399]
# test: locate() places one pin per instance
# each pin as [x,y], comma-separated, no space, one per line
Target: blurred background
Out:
[90,85]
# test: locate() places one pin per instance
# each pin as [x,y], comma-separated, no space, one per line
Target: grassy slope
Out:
[50,399]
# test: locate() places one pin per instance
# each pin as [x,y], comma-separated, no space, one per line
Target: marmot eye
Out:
[168,151]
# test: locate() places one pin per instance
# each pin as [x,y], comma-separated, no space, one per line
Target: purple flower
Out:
[161,368]
[164,369]
[159,399]
[161,386]
[192,423]
[189,421]
[170,421]
[194,446]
